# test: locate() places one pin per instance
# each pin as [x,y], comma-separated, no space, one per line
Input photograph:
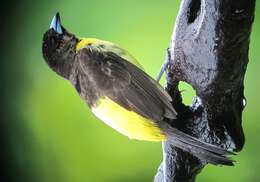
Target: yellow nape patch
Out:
[107,47]
[127,122]
[84,42]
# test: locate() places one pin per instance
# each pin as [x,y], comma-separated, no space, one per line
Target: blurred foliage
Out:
[56,137]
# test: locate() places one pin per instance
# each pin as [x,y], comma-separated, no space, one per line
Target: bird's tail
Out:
[204,151]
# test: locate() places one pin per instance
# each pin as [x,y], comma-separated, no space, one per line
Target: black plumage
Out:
[123,82]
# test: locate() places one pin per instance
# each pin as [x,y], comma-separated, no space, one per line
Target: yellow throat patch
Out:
[127,122]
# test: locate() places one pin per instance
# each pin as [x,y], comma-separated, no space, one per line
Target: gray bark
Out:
[209,51]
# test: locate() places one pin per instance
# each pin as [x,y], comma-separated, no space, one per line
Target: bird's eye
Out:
[244,102]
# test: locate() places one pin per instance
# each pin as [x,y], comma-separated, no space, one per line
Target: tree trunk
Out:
[209,51]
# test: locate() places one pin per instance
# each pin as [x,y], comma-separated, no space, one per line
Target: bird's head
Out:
[59,48]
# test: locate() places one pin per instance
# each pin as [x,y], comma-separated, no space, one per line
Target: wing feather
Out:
[126,84]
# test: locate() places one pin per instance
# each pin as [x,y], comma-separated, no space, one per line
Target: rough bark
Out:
[209,51]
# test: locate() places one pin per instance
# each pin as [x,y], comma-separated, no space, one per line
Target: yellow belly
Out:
[127,122]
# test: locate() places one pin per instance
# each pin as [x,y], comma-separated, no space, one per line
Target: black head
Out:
[59,48]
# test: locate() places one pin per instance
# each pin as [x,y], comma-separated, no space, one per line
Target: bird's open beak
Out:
[56,24]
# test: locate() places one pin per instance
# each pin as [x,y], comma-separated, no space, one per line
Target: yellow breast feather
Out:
[127,122]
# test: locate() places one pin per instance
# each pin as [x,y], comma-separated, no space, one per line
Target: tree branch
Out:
[209,51]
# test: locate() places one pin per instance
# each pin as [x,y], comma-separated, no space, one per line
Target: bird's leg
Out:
[165,65]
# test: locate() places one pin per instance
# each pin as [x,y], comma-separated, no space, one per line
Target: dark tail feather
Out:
[204,151]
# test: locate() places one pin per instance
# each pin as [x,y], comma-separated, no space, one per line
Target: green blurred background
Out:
[50,135]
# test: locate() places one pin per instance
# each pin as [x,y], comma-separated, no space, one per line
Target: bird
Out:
[119,92]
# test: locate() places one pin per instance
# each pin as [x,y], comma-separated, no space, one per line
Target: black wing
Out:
[125,83]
